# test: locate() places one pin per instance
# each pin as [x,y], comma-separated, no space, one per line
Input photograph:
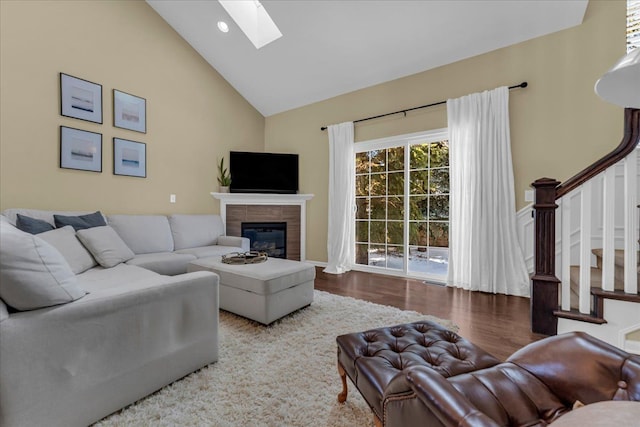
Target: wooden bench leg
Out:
[376,421]
[342,397]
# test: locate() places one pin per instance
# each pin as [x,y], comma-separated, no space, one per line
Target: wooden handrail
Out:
[629,141]
[544,283]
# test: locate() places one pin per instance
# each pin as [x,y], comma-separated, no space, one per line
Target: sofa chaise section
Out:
[133,333]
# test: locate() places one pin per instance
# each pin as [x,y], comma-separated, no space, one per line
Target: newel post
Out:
[544,283]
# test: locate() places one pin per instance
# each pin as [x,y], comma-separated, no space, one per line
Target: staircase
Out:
[587,278]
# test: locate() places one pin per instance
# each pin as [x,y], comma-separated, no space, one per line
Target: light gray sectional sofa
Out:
[93,320]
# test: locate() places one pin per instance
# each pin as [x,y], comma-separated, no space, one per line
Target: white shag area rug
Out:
[283,375]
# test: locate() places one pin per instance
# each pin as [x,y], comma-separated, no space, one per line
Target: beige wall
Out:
[193,115]
[558,125]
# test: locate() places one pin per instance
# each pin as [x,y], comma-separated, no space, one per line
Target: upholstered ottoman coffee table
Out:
[264,291]
[374,361]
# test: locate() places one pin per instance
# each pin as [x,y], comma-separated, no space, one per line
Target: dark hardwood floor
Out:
[497,323]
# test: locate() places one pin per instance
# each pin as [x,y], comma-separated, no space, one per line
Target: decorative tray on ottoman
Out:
[251,257]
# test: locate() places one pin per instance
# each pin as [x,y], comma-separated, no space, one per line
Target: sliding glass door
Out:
[402,205]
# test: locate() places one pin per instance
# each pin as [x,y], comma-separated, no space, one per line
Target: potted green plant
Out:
[224,178]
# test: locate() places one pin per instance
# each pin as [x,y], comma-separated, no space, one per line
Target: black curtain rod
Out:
[522,85]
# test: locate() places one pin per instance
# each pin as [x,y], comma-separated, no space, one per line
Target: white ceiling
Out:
[331,47]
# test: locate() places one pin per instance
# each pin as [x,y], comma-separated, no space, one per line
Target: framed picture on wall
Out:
[129,111]
[80,149]
[80,99]
[129,158]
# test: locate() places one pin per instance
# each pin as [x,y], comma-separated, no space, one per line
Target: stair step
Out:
[617,295]
[618,258]
[576,315]
[596,278]
[597,313]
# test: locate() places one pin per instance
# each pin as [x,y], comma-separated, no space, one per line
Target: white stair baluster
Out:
[630,223]
[608,228]
[585,248]
[565,272]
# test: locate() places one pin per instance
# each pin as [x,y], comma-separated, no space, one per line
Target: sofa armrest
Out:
[560,362]
[240,242]
[448,405]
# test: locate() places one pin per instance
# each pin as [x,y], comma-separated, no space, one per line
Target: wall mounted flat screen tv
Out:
[263,172]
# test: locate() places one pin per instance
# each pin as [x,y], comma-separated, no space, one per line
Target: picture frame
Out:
[80,149]
[129,158]
[129,111]
[80,99]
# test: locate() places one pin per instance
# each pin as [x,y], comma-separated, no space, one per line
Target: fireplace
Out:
[269,237]
[236,208]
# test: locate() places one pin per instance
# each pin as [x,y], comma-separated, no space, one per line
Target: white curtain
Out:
[484,253]
[341,233]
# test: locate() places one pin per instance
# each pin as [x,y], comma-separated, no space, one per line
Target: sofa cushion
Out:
[100,280]
[65,241]
[144,234]
[167,263]
[210,251]
[33,274]
[105,245]
[80,222]
[191,231]
[32,225]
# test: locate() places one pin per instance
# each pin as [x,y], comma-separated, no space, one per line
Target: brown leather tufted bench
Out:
[374,360]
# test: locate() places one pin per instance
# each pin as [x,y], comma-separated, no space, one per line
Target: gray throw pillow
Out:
[32,225]
[65,241]
[105,245]
[33,274]
[80,222]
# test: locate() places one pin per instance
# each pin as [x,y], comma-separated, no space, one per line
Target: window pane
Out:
[396,159]
[378,160]
[378,208]
[429,260]
[395,233]
[439,154]
[419,156]
[362,208]
[395,208]
[362,185]
[378,233]
[439,181]
[439,234]
[439,207]
[379,184]
[362,254]
[418,206]
[362,162]
[378,256]
[418,258]
[419,183]
[418,233]
[395,257]
[396,183]
[362,231]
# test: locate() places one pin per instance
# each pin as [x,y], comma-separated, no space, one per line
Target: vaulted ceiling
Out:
[332,47]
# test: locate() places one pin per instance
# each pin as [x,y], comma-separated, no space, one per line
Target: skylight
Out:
[253,20]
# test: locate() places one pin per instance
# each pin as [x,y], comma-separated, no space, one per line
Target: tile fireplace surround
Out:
[236,208]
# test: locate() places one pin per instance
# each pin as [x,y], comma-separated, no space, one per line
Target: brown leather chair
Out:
[534,387]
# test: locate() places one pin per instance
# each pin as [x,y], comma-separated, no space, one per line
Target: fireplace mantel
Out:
[256,199]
